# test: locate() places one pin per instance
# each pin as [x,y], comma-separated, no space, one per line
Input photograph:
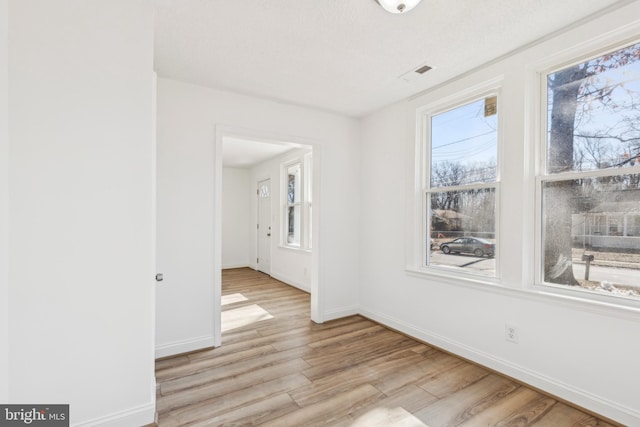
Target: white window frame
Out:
[308,198]
[304,162]
[420,248]
[567,58]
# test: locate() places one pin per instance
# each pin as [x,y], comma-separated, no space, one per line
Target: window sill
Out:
[610,306]
[590,300]
[453,276]
[295,249]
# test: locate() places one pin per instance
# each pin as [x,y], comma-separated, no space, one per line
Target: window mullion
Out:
[476,186]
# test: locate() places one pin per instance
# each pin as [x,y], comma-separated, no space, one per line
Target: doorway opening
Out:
[263,211]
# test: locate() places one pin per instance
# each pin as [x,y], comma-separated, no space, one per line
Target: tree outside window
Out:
[590,185]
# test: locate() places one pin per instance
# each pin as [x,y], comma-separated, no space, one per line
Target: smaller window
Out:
[297,202]
[293,216]
[461,188]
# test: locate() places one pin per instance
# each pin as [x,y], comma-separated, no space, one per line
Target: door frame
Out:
[317,295]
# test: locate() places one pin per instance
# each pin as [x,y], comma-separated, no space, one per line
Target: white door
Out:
[264,226]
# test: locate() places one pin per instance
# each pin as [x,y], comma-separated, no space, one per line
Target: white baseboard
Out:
[241,265]
[339,313]
[134,417]
[184,346]
[289,281]
[582,398]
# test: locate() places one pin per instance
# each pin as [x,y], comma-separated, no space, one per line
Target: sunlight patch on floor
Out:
[232,298]
[243,316]
[383,417]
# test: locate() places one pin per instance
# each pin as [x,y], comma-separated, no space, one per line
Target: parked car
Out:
[470,245]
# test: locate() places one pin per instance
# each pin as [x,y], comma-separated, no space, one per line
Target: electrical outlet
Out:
[511,333]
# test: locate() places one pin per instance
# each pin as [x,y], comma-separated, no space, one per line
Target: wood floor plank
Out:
[167,403]
[162,364]
[520,408]
[244,316]
[218,373]
[383,416]
[564,415]
[339,361]
[457,408]
[409,399]
[437,362]
[277,368]
[217,406]
[348,336]
[256,413]
[327,411]
[238,336]
[376,339]
[451,380]
[356,375]
[199,365]
[249,341]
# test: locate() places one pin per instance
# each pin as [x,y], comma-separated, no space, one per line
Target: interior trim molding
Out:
[136,416]
[581,398]
[339,313]
[184,346]
[291,282]
[235,265]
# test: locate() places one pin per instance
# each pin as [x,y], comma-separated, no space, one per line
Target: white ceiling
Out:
[241,153]
[344,56]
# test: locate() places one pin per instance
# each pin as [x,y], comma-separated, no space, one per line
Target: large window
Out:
[461,187]
[589,181]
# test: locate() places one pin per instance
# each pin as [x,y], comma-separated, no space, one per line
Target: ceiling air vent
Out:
[422,69]
[416,74]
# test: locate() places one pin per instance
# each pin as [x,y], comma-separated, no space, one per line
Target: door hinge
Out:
[257,260]
[258,226]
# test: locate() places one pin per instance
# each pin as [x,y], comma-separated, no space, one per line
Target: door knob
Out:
[159,277]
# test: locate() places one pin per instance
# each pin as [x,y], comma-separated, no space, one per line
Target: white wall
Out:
[582,352]
[4,204]
[288,265]
[81,208]
[237,193]
[187,119]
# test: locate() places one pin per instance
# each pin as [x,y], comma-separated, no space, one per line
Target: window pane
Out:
[264,190]
[462,230]
[293,225]
[595,219]
[310,228]
[293,183]
[593,111]
[464,144]
[294,194]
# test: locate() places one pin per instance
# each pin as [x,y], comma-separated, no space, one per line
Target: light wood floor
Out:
[277,368]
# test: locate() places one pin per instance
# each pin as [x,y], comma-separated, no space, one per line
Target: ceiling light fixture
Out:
[398,6]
